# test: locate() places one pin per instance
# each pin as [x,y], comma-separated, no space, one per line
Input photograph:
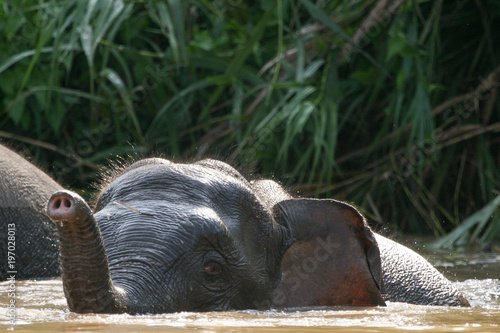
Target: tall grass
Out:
[391,105]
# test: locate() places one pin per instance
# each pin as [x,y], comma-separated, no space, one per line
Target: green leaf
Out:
[14,21]
[199,85]
[400,80]
[55,116]
[170,15]
[16,110]
[86,38]
[478,220]
[396,45]
[364,77]
[26,54]
[204,41]
[120,86]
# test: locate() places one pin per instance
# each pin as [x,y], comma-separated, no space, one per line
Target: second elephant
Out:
[27,235]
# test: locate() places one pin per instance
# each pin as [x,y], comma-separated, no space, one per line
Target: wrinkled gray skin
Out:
[168,237]
[24,191]
[405,270]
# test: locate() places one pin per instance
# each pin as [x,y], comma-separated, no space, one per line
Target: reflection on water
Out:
[41,307]
[468,266]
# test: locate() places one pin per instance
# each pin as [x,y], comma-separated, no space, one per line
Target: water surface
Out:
[41,307]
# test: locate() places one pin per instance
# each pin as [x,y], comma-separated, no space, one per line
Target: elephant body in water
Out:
[168,237]
[26,231]
[406,275]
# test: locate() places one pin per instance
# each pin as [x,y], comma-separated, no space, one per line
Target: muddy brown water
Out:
[40,306]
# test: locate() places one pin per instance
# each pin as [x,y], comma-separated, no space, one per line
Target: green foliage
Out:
[476,221]
[390,105]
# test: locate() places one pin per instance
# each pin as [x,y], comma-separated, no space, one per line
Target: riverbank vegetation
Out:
[391,105]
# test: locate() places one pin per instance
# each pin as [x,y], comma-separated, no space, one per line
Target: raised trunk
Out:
[85,272]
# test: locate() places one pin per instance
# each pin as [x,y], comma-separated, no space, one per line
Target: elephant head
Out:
[168,237]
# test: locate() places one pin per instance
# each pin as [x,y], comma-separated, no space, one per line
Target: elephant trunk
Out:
[85,272]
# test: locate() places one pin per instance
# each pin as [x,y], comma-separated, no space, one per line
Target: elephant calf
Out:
[168,237]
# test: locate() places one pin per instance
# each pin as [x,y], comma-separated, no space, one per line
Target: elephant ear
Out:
[334,258]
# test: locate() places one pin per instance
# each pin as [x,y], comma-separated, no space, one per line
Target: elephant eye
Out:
[212,268]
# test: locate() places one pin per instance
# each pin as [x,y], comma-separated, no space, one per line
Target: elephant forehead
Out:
[161,235]
[174,182]
[138,218]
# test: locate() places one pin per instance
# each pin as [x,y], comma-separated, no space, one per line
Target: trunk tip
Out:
[66,205]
